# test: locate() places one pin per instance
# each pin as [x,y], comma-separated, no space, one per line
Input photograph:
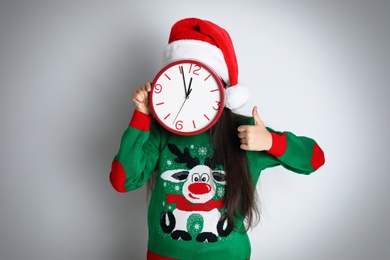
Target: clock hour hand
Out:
[189,89]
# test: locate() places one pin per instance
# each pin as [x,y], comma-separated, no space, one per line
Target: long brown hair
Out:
[240,194]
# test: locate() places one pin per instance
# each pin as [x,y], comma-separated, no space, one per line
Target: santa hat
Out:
[201,40]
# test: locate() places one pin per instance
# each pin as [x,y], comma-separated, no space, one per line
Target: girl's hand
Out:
[255,137]
[141,98]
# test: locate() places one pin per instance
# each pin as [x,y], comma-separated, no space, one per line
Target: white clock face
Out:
[187,97]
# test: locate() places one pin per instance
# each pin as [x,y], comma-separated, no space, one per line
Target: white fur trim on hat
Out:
[201,51]
[236,96]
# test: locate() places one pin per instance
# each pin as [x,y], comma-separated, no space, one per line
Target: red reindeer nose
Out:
[199,188]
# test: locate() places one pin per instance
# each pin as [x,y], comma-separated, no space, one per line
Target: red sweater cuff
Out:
[279,144]
[141,121]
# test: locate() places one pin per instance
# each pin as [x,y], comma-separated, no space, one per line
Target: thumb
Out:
[256,116]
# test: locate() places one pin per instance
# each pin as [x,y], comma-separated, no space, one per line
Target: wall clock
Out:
[187,97]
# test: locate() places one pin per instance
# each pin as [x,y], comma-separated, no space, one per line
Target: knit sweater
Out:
[185,210]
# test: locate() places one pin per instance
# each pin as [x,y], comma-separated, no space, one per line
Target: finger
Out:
[244,147]
[242,128]
[138,100]
[141,96]
[148,86]
[143,89]
[256,116]
[243,141]
[242,135]
[144,94]
[139,92]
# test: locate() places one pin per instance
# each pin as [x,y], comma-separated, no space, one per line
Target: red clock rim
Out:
[220,84]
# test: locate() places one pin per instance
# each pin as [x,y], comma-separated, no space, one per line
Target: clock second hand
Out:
[185,100]
[179,110]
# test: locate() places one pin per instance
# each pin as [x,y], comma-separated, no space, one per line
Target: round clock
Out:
[187,97]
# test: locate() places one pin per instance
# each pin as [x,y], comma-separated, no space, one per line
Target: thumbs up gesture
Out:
[255,137]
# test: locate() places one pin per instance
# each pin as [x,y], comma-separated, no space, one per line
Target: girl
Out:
[203,186]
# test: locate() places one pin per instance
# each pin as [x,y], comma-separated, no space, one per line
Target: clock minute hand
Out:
[184,81]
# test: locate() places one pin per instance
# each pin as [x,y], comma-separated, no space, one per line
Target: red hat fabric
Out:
[202,40]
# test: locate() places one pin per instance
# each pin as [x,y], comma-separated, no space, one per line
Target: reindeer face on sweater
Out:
[199,182]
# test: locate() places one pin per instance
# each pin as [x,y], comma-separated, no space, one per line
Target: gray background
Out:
[67,72]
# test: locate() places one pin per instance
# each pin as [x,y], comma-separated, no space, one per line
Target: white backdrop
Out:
[68,69]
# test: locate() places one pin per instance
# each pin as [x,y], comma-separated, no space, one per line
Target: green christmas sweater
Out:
[184,215]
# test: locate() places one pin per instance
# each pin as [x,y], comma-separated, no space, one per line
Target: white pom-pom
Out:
[236,96]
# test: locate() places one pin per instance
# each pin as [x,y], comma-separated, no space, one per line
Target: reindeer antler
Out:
[184,157]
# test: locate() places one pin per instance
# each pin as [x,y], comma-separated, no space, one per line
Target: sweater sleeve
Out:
[299,154]
[138,154]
